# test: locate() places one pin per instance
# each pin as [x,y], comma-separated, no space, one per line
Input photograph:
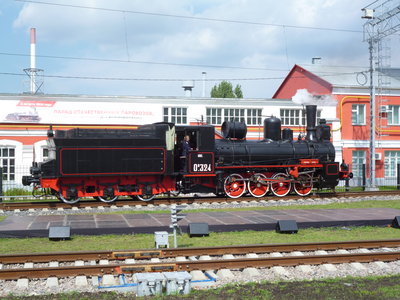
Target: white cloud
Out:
[96,33]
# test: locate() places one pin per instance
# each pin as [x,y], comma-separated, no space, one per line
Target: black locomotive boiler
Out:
[109,163]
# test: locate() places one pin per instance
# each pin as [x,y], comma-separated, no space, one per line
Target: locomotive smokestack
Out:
[311,114]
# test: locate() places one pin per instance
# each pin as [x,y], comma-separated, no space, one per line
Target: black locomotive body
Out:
[106,164]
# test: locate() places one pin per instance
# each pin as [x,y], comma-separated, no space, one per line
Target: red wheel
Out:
[234,186]
[257,185]
[303,185]
[281,186]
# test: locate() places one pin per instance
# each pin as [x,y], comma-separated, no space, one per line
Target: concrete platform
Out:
[38,226]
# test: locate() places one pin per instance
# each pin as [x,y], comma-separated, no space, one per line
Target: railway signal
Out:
[175,218]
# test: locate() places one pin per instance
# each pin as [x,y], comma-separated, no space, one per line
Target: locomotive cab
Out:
[200,158]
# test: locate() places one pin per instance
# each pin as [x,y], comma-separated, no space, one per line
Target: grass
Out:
[143,241]
[372,287]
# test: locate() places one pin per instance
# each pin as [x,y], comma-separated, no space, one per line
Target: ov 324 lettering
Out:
[202,168]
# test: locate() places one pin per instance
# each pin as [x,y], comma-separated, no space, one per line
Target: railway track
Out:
[165,260]
[52,205]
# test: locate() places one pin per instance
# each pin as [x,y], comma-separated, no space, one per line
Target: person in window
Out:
[185,152]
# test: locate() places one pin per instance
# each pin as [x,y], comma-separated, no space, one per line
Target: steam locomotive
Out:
[108,163]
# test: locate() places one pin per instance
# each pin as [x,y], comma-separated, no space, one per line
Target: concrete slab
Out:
[225,274]
[205,257]
[251,255]
[343,251]
[358,266]
[211,274]
[108,280]
[198,275]
[380,264]
[95,281]
[180,258]
[52,283]
[305,269]
[79,263]
[251,272]
[53,264]
[280,271]
[329,267]
[22,284]
[81,281]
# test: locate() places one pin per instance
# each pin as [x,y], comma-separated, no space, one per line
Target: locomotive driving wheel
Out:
[257,185]
[68,200]
[281,186]
[107,199]
[304,185]
[145,197]
[234,185]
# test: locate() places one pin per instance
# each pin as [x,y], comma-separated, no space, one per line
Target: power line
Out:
[191,17]
[143,62]
[164,79]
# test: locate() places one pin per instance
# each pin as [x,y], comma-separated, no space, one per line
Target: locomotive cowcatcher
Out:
[142,163]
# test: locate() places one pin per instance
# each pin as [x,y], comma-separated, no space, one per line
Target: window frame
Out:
[296,117]
[218,115]
[8,162]
[357,166]
[391,111]
[356,114]
[176,114]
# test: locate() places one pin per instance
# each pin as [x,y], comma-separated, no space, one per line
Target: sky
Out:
[149,47]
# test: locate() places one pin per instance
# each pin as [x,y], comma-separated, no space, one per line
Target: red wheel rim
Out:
[234,186]
[257,188]
[304,185]
[282,187]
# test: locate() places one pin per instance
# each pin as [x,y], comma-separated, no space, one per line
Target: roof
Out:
[168,101]
[346,79]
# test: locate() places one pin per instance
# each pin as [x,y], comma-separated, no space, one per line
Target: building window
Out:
[358,162]
[393,114]
[290,117]
[392,158]
[253,116]
[7,160]
[358,114]
[177,115]
[215,116]
[295,117]
[234,114]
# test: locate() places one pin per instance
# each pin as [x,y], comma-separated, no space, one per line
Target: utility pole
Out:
[378,26]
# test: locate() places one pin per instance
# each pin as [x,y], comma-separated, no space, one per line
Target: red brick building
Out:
[350,87]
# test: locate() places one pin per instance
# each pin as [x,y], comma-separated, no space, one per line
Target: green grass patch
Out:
[143,241]
[377,287]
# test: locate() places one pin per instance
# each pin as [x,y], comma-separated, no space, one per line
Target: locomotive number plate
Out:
[201,162]
[202,168]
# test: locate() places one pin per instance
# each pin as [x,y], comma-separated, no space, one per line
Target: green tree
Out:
[225,90]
